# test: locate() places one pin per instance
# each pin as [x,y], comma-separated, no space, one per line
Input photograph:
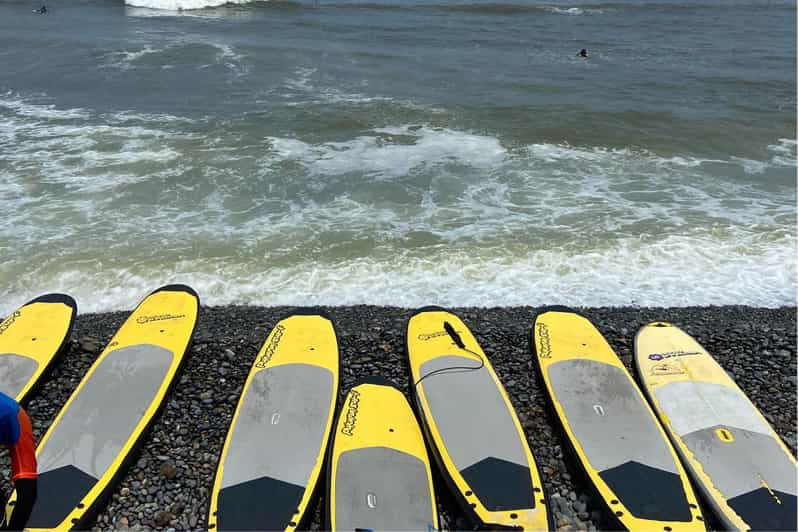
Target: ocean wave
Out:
[156,56]
[782,155]
[404,214]
[301,89]
[82,150]
[183,5]
[44,111]
[674,271]
[127,59]
[392,151]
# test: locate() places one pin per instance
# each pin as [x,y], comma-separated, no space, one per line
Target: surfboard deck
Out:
[278,437]
[32,339]
[471,425]
[745,472]
[379,475]
[610,428]
[89,444]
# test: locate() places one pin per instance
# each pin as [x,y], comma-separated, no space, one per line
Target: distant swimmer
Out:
[582,53]
[41,11]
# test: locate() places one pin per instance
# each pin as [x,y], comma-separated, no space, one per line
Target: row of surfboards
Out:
[643,454]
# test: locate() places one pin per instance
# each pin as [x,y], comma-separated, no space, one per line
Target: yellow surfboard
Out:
[610,427]
[277,442]
[471,425]
[31,339]
[87,447]
[379,476]
[743,469]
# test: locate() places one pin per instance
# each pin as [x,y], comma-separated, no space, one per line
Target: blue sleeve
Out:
[9,423]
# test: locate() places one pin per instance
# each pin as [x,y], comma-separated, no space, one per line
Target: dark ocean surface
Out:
[400,152]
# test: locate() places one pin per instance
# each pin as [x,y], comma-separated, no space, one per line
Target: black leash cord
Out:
[455,369]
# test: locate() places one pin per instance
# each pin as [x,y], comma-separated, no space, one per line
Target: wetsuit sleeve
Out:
[23,471]
[23,452]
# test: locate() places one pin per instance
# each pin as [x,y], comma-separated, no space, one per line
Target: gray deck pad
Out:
[743,465]
[281,426]
[15,372]
[470,413]
[692,406]
[103,415]
[751,461]
[607,416]
[377,488]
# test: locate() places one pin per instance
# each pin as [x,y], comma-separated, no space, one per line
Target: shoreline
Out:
[168,483]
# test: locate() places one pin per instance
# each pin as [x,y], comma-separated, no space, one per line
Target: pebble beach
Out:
[168,483]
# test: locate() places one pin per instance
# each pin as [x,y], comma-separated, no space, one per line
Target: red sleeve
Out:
[23,454]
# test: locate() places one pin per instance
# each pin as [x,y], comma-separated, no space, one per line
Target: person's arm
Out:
[23,473]
[26,496]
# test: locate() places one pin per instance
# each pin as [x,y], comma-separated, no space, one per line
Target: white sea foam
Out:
[781,155]
[784,153]
[674,271]
[566,10]
[127,59]
[300,89]
[406,214]
[227,55]
[85,152]
[393,151]
[180,5]
[223,54]
[574,11]
[43,111]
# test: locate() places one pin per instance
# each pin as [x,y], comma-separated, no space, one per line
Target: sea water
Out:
[399,152]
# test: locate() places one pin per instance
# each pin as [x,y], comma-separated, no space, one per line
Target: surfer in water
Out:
[582,53]
[41,11]
[16,433]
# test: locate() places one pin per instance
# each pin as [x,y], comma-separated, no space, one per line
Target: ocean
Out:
[402,152]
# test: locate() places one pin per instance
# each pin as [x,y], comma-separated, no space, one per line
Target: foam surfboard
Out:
[275,448]
[31,339]
[471,425]
[611,429]
[379,475]
[745,472]
[91,440]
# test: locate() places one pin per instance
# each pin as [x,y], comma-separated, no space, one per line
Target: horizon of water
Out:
[399,153]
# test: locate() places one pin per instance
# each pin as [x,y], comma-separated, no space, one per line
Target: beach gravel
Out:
[168,483]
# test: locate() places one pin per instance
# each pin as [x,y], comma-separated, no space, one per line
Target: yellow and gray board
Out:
[276,445]
[31,338]
[615,435]
[471,425]
[739,463]
[86,447]
[379,475]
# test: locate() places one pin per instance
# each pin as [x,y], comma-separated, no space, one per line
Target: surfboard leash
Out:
[455,369]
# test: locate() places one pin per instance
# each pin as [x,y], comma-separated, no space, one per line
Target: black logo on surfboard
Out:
[671,354]
[9,321]
[159,317]
[437,334]
[544,351]
[351,413]
[268,353]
